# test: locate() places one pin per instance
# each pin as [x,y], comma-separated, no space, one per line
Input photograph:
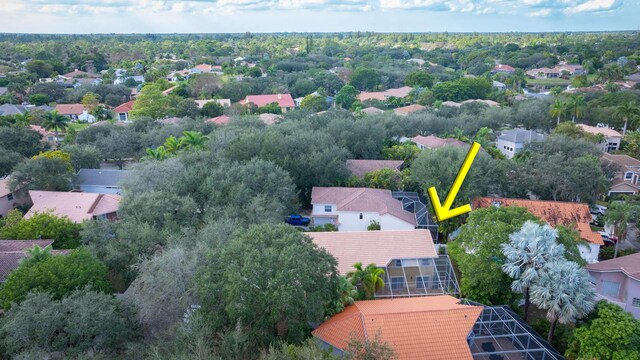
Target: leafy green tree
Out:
[526,253]
[346,96]
[193,140]
[406,152]
[382,179]
[22,140]
[364,79]
[57,275]
[370,349]
[619,215]
[151,102]
[420,78]
[84,321]
[315,103]
[273,108]
[577,106]
[564,290]
[477,251]
[629,112]
[559,109]
[42,173]
[38,99]
[611,334]
[39,67]
[368,280]
[45,225]
[187,108]
[211,109]
[90,101]
[8,160]
[56,122]
[295,281]
[119,145]
[83,156]
[632,144]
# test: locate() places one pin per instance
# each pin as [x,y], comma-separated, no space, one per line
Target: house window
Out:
[123,116]
[628,175]
[396,263]
[327,208]
[397,283]
[635,302]
[426,262]
[360,216]
[610,288]
[422,282]
[10,197]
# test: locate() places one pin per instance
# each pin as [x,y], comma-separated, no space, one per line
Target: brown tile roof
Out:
[204,67]
[409,109]
[377,247]
[621,159]
[70,109]
[283,100]
[13,251]
[365,95]
[79,74]
[596,130]
[361,167]
[630,265]
[399,92]
[219,120]
[124,108]
[553,212]
[22,245]
[362,200]
[431,327]
[502,67]
[77,206]
[372,110]
[40,130]
[434,142]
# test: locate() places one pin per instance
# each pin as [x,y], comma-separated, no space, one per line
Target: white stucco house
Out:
[354,209]
[611,138]
[511,142]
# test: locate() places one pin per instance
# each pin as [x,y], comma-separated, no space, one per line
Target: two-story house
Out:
[511,142]
[626,180]
[354,209]
[9,200]
[411,264]
[618,281]
[611,138]
[574,215]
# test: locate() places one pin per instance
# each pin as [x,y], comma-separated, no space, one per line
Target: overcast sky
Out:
[148,16]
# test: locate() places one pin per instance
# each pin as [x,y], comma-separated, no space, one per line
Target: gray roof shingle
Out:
[100,177]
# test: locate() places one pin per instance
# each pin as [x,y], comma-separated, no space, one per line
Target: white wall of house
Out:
[9,202]
[508,148]
[356,220]
[85,116]
[589,252]
[390,222]
[611,144]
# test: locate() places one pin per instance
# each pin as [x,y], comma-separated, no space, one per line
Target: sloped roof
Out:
[553,212]
[372,110]
[100,177]
[596,130]
[434,142]
[21,245]
[219,120]
[79,74]
[486,102]
[204,67]
[365,95]
[13,251]
[630,265]
[222,102]
[40,130]
[430,327]
[70,109]
[77,206]
[409,109]
[361,167]
[377,247]
[362,200]
[124,108]
[520,136]
[12,109]
[621,159]
[503,67]
[399,92]
[270,119]
[283,100]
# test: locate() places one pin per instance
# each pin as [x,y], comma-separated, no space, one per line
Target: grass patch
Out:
[78,126]
[548,82]
[602,203]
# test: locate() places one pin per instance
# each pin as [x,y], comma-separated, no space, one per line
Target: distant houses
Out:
[222,102]
[75,112]
[433,142]
[409,109]
[556,71]
[626,180]
[385,95]
[611,138]
[503,69]
[284,101]
[511,142]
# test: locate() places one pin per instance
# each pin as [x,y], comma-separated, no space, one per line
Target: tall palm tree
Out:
[193,140]
[564,290]
[23,119]
[172,145]
[527,252]
[55,121]
[369,279]
[576,107]
[559,109]
[619,215]
[628,111]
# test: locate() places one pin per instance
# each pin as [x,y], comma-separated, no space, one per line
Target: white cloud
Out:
[594,6]
[540,13]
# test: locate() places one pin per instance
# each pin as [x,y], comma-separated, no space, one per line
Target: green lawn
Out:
[78,127]
[548,82]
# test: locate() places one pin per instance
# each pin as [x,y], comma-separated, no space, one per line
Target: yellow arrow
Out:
[444,212]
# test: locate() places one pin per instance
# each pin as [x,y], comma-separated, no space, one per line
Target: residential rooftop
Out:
[630,265]
[361,167]
[77,206]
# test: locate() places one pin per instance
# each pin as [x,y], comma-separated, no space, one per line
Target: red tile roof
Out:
[553,212]
[399,92]
[124,108]
[502,67]
[361,167]
[362,200]
[219,120]
[630,265]
[13,251]
[70,109]
[283,100]
[374,247]
[433,327]
[434,142]
[364,96]
[75,205]
[409,109]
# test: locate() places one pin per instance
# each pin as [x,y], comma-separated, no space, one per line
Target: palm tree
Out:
[172,145]
[619,215]
[576,107]
[23,119]
[559,109]
[193,140]
[369,279]
[628,111]
[564,290]
[55,121]
[527,252]
[159,153]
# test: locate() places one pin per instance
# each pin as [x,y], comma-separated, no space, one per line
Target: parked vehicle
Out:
[297,220]
[609,240]
[597,209]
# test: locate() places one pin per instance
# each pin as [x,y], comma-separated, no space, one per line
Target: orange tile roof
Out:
[70,109]
[75,205]
[399,92]
[219,120]
[434,142]
[553,212]
[377,247]
[362,200]
[431,327]
[364,96]
[409,109]
[124,108]
[596,130]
